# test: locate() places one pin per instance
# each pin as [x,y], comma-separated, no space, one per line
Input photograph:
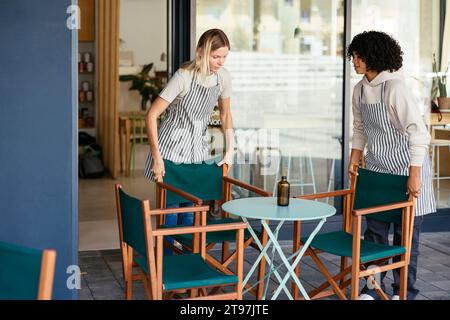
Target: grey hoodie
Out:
[402,109]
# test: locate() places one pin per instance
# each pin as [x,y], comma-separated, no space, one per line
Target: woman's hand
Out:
[353,164]
[352,168]
[227,159]
[158,169]
[414,183]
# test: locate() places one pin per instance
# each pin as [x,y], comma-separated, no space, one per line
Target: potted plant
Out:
[148,87]
[440,86]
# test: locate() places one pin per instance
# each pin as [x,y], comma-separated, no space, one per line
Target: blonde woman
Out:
[189,100]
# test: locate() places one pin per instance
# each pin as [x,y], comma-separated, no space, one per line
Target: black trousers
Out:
[378,232]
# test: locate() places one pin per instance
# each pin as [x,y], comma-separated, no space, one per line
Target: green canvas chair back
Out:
[374,189]
[132,223]
[20,270]
[203,180]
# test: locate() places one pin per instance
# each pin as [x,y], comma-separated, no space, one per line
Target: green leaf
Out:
[146,69]
[144,103]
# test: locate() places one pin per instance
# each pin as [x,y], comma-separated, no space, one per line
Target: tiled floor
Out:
[102,272]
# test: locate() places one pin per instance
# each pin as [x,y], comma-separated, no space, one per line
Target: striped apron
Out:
[182,133]
[388,152]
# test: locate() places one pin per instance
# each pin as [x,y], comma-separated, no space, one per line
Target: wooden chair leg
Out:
[355,284]
[403,282]
[377,288]
[129,277]
[327,275]
[326,284]
[147,289]
[193,293]
[344,265]
[225,249]
[356,254]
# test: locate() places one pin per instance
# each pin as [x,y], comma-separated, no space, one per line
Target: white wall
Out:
[143,27]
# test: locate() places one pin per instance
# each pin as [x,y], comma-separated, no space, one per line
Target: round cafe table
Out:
[266,209]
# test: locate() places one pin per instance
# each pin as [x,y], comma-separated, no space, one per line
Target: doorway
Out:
[142,39]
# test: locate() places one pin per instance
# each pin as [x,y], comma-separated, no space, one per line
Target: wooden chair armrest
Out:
[377,209]
[180,192]
[156,212]
[198,229]
[248,187]
[325,194]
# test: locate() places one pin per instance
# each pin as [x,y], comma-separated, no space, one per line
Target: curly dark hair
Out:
[378,50]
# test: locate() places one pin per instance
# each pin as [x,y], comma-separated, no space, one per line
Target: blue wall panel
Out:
[38,182]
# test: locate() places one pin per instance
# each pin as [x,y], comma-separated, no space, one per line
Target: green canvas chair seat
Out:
[213,237]
[340,243]
[189,271]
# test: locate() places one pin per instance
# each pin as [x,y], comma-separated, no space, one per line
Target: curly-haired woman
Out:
[388,121]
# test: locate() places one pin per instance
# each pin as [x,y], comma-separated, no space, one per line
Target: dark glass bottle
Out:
[283,192]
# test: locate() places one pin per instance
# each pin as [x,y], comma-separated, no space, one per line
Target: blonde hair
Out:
[209,41]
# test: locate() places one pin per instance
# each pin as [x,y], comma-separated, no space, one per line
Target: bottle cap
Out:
[284,177]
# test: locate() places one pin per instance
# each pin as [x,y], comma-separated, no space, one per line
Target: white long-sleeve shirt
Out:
[402,109]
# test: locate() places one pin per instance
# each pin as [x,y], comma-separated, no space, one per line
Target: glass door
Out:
[286,62]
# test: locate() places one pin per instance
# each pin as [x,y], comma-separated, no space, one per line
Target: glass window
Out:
[286,62]
[415,25]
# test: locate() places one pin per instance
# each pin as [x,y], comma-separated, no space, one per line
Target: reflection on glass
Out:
[286,62]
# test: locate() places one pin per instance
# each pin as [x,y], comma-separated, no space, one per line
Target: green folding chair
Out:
[378,196]
[208,182]
[142,247]
[25,273]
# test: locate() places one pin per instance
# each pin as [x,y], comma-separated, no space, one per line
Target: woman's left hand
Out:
[227,159]
[414,184]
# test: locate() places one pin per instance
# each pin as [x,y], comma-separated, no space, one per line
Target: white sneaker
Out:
[395,297]
[364,296]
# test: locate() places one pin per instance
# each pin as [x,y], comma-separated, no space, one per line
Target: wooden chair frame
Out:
[352,224]
[47,275]
[154,245]
[227,258]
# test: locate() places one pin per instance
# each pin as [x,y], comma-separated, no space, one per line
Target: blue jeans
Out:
[378,232]
[178,219]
